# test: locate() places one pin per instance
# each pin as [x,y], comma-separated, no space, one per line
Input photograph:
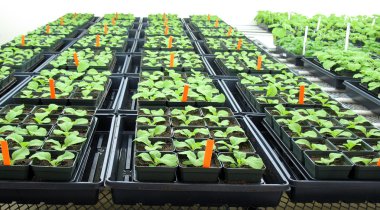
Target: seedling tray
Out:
[127,104]
[83,189]
[127,191]
[106,105]
[297,59]
[362,96]
[329,77]
[305,189]
[29,64]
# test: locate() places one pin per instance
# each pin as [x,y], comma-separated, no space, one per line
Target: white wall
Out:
[20,16]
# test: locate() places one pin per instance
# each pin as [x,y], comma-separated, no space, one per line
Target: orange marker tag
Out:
[216,23]
[105,29]
[23,40]
[62,22]
[185,92]
[97,41]
[208,153]
[52,88]
[171,59]
[113,21]
[259,61]
[229,31]
[5,153]
[164,16]
[75,15]
[239,44]
[166,30]
[302,94]
[378,162]
[208,17]
[166,22]
[47,29]
[116,16]
[76,61]
[170,44]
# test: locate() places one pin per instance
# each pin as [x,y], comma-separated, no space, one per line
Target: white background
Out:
[20,16]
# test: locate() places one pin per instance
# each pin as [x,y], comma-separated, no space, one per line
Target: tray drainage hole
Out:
[127,172]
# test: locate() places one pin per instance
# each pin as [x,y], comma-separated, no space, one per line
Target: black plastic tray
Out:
[291,57]
[84,189]
[327,76]
[108,105]
[126,191]
[127,104]
[304,189]
[360,95]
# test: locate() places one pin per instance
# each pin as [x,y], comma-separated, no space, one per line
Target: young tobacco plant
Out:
[192,134]
[359,120]
[240,159]
[155,158]
[311,146]
[34,130]
[12,114]
[158,112]
[369,133]
[69,141]
[19,154]
[147,121]
[149,146]
[297,129]
[193,159]
[335,132]
[330,160]
[76,112]
[217,120]
[364,161]
[186,120]
[190,144]
[46,156]
[152,132]
[79,121]
[214,112]
[351,144]
[184,111]
[229,130]
[20,141]
[231,145]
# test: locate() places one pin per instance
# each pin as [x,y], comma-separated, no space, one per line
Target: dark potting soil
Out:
[176,123]
[140,162]
[168,146]
[22,162]
[65,163]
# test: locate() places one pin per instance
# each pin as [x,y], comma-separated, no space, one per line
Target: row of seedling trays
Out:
[44,143]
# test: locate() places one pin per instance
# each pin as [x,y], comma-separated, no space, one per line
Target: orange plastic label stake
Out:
[185,92]
[116,15]
[47,29]
[76,61]
[216,23]
[208,153]
[170,43]
[259,61]
[164,16]
[62,22]
[97,41]
[208,17]
[239,44]
[378,162]
[229,31]
[166,21]
[302,94]
[113,21]
[172,59]
[52,88]
[5,152]
[105,29]
[166,30]
[23,40]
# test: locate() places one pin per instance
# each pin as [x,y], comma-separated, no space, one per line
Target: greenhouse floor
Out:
[252,32]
